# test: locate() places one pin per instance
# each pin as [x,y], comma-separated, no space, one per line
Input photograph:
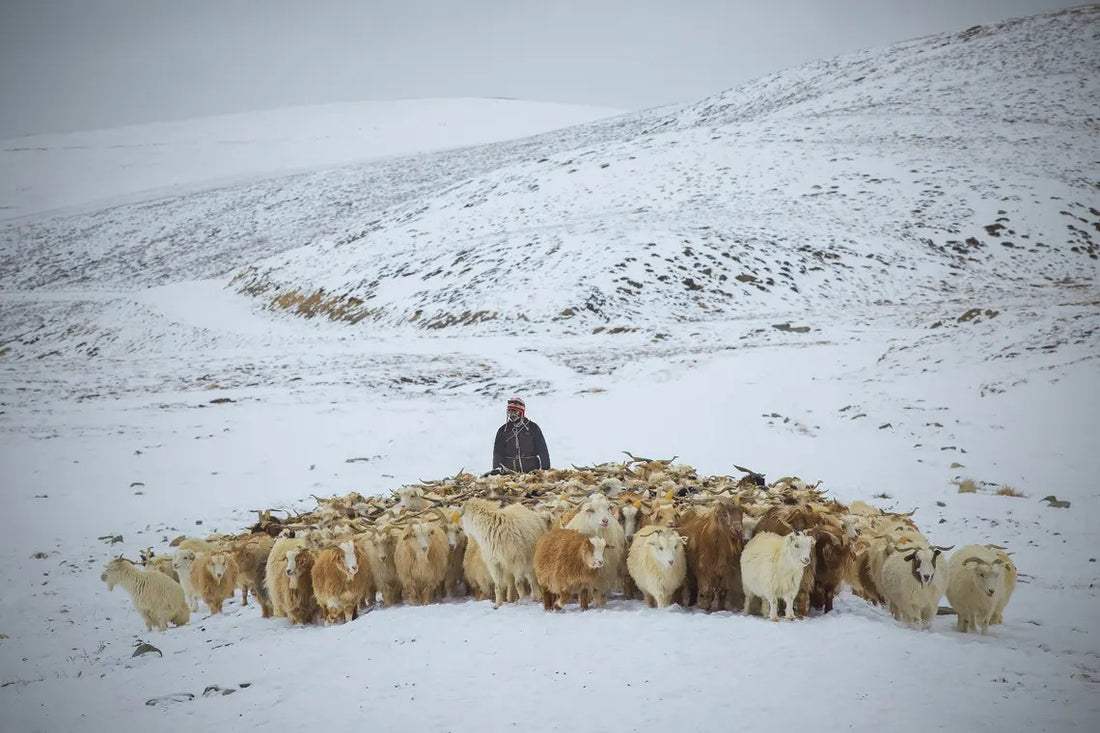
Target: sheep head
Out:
[986,575]
[351,562]
[664,546]
[594,557]
[799,547]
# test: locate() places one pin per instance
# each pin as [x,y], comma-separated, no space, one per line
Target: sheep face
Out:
[923,561]
[411,497]
[182,561]
[630,520]
[351,564]
[988,577]
[292,566]
[665,547]
[384,544]
[218,563]
[598,545]
[597,512]
[421,533]
[453,531]
[799,547]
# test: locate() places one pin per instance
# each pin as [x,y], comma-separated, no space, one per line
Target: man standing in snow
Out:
[519,446]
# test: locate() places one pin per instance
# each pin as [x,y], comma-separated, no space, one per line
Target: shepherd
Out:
[519,446]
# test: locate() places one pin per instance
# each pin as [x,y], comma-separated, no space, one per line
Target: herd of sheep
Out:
[645,529]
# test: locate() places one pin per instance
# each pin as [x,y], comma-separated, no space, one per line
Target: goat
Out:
[595,519]
[713,548]
[421,561]
[214,577]
[568,562]
[772,566]
[340,576]
[658,564]
[976,581]
[158,598]
[913,582]
[507,538]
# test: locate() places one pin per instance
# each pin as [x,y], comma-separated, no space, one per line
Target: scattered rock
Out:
[144,648]
[220,401]
[1055,502]
[40,555]
[217,690]
[788,327]
[113,539]
[940,503]
[175,697]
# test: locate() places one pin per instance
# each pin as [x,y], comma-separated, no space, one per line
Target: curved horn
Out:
[943,549]
[909,514]
[969,560]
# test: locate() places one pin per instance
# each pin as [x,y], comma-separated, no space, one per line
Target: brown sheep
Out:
[340,576]
[454,582]
[252,553]
[714,544]
[568,562]
[421,560]
[301,603]
[214,577]
[382,566]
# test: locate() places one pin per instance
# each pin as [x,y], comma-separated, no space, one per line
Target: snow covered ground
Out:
[45,173]
[119,327]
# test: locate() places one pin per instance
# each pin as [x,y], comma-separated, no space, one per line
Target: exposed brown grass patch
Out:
[1009,491]
[967,486]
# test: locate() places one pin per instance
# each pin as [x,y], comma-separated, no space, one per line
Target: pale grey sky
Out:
[83,64]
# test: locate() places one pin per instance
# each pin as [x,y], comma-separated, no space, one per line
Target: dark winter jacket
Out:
[519,446]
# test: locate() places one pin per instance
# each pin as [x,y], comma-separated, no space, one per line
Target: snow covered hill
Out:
[41,174]
[877,271]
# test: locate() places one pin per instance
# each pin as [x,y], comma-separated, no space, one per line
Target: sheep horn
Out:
[942,549]
[969,560]
[996,547]
[909,514]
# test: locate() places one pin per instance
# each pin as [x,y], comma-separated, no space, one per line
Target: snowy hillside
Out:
[45,173]
[876,271]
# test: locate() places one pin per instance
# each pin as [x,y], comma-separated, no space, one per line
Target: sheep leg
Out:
[772,602]
[789,601]
[582,598]
[547,600]
[747,608]
[244,595]
[650,602]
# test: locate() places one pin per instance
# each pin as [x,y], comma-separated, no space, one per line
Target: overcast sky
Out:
[83,64]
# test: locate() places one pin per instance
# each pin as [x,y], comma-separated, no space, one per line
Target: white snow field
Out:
[878,271]
[42,174]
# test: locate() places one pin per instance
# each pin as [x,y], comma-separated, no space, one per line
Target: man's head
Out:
[516,409]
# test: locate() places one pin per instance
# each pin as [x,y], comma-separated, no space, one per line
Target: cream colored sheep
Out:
[214,577]
[181,563]
[658,564]
[158,598]
[507,538]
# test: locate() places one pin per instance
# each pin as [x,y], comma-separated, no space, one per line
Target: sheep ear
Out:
[911,556]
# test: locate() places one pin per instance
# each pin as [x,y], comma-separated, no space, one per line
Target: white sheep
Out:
[975,586]
[913,582]
[657,563]
[771,569]
[158,598]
